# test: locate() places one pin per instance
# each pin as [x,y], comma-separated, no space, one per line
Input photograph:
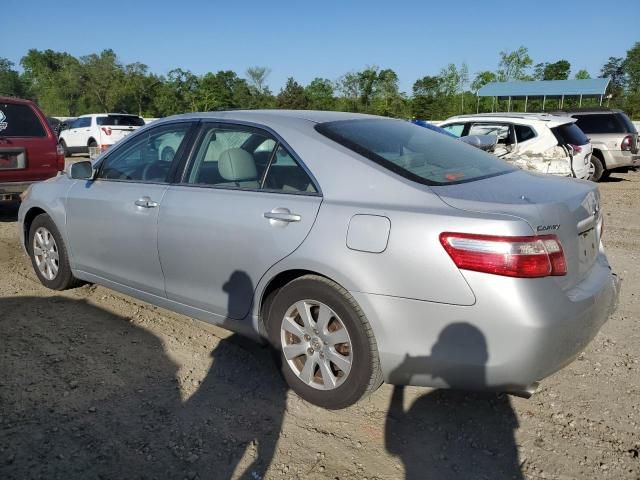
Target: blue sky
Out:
[326,39]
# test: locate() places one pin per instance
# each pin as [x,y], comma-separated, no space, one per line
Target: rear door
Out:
[27,144]
[232,218]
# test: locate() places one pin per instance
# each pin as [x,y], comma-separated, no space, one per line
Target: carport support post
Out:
[477,103]
[580,104]
[493,102]
[526,100]
[601,100]
[544,100]
[562,101]
[509,105]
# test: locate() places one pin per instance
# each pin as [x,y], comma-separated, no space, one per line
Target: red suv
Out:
[29,150]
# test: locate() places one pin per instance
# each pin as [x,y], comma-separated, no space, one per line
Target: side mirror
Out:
[81,171]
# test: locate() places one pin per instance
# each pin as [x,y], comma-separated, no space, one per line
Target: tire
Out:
[356,371]
[598,169]
[52,268]
[63,144]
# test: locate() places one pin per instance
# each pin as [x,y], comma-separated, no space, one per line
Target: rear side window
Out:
[120,121]
[18,120]
[600,123]
[628,124]
[414,152]
[570,133]
[524,133]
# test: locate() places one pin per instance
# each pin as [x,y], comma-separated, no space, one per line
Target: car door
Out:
[112,220]
[232,218]
[72,136]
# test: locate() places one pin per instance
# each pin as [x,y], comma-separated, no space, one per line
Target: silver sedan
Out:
[364,249]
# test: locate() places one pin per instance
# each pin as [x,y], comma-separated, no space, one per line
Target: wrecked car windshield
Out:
[414,152]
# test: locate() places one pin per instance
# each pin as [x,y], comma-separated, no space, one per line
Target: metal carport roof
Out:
[549,88]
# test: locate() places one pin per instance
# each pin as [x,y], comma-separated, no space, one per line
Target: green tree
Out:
[140,86]
[320,93]
[582,75]
[514,65]
[261,96]
[349,87]
[103,77]
[614,70]
[557,71]
[54,80]
[292,96]
[631,68]
[482,78]
[10,82]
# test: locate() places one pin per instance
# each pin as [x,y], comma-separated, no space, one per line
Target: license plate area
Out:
[13,158]
[587,246]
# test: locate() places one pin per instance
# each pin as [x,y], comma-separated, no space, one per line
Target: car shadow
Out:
[9,211]
[452,434]
[89,393]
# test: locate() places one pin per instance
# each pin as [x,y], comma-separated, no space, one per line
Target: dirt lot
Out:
[94,384]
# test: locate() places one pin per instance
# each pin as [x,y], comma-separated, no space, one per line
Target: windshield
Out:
[414,152]
[120,121]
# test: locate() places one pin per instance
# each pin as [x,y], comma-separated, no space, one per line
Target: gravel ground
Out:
[94,384]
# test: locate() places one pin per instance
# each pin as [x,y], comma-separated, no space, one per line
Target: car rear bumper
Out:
[621,158]
[514,336]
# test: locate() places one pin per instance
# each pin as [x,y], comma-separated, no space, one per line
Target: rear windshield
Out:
[18,120]
[570,134]
[605,123]
[414,152]
[120,120]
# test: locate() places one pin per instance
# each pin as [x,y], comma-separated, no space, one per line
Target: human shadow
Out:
[87,392]
[451,434]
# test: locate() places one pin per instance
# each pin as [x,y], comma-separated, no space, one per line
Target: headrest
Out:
[236,165]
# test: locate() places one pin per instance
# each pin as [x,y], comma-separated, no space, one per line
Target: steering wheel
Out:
[148,172]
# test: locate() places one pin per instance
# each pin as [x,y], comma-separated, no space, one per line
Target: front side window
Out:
[143,158]
[496,129]
[248,158]
[414,152]
[18,120]
[454,129]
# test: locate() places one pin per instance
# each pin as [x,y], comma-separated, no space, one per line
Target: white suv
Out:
[532,141]
[97,130]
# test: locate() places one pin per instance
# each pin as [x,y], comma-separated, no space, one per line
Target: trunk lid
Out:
[567,208]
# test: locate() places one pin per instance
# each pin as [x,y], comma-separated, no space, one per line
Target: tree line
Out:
[64,85]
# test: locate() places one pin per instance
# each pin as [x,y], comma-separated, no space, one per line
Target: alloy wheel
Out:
[45,253]
[316,344]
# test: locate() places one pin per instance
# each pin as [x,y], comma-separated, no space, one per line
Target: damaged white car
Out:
[532,141]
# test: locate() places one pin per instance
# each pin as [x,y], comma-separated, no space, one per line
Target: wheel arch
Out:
[29,217]
[598,153]
[274,284]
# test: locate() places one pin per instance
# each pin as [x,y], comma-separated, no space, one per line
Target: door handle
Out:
[278,215]
[146,202]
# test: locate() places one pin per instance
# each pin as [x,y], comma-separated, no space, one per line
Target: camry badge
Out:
[545,228]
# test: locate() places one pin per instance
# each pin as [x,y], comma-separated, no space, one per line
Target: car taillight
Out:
[627,143]
[526,257]
[60,157]
[576,148]
[106,130]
